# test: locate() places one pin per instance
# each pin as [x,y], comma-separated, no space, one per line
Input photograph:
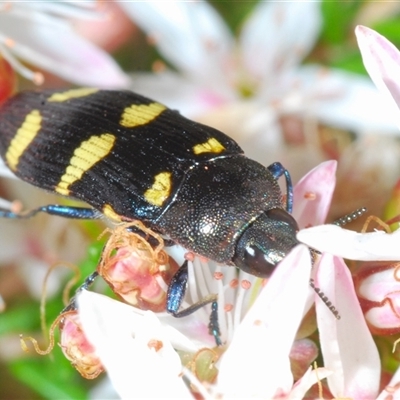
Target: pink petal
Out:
[385,317]
[313,195]
[380,282]
[347,345]
[257,361]
[382,61]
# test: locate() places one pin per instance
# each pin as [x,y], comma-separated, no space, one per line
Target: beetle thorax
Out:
[215,204]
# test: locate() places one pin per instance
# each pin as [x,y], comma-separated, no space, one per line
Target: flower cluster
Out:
[258,325]
[377,283]
[49,42]
[267,329]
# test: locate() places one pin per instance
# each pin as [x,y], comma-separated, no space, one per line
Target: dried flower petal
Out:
[77,348]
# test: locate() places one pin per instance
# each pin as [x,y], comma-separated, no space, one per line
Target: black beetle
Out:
[132,158]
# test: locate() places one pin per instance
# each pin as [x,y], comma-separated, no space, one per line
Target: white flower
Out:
[137,349]
[246,85]
[258,325]
[378,245]
[347,345]
[41,34]
[382,60]
[123,339]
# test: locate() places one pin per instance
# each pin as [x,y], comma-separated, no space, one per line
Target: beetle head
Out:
[266,242]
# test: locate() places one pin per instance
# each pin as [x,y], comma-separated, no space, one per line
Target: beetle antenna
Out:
[340,222]
[325,299]
[350,217]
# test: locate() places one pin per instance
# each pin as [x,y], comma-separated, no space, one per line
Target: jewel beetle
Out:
[131,158]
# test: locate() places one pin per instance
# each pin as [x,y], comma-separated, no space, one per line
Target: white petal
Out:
[191,35]
[86,10]
[345,100]
[382,61]
[256,362]
[347,345]
[51,44]
[392,390]
[371,246]
[277,37]
[121,338]
[189,97]
[103,389]
[310,378]
[5,171]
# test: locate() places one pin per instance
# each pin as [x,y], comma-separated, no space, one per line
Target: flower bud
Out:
[378,289]
[76,347]
[137,272]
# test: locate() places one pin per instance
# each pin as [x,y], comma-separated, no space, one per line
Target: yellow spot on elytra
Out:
[160,190]
[136,115]
[72,94]
[85,156]
[211,146]
[23,138]
[109,212]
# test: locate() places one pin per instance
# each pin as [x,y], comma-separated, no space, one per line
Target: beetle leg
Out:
[213,325]
[176,293]
[85,285]
[277,170]
[55,209]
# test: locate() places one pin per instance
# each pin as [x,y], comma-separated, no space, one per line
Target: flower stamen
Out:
[245,284]
[218,276]
[233,284]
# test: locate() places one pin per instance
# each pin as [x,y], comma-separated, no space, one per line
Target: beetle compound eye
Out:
[280,215]
[266,242]
[257,256]
[259,260]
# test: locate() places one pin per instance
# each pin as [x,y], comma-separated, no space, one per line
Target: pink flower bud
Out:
[378,289]
[77,348]
[136,272]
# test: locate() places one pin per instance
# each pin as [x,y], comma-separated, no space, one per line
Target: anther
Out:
[233,284]
[228,307]
[245,284]
[218,276]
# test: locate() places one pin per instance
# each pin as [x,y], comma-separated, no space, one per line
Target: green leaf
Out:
[234,13]
[350,61]
[389,29]
[338,19]
[46,381]
[20,318]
